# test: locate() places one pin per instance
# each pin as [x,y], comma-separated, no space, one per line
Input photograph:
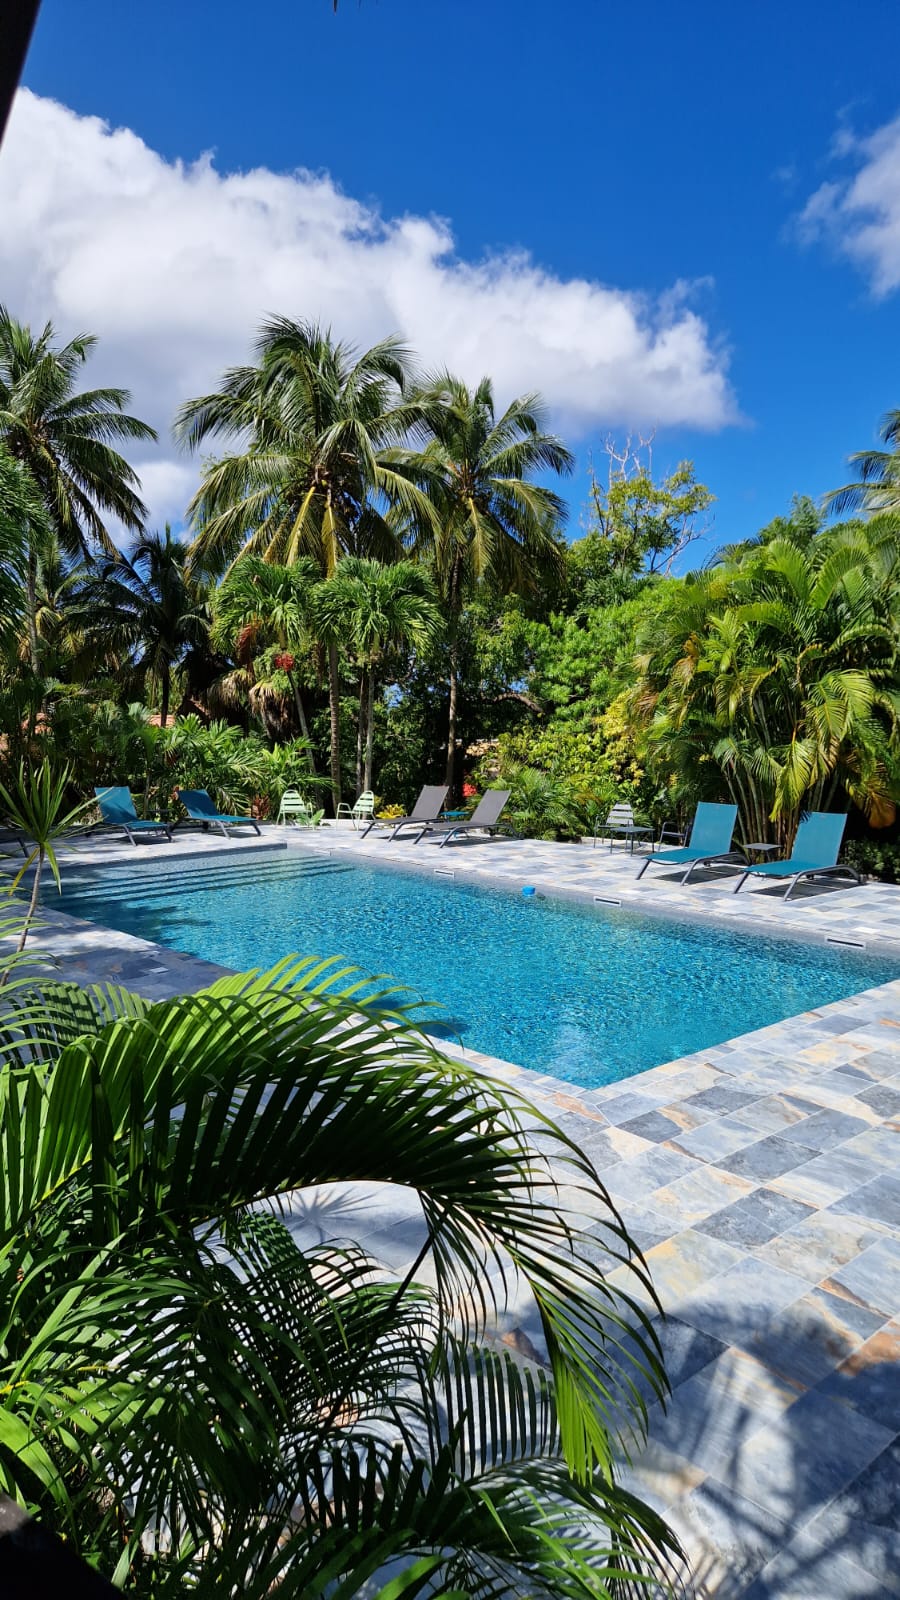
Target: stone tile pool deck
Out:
[761,1178]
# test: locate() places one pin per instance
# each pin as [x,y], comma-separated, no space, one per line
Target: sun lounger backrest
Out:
[116,805]
[197,800]
[489,807]
[713,827]
[428,806]
[819,838]
[621,816]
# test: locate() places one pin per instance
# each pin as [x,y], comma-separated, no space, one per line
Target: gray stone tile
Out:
[807,1339]
[878,1200]
[882,1098]
[721,1098]
[624,1107]
[645,1227]
[755,1218]
[776,1112]
[798,1573]
[726,1538]
[869,1379]
[825,1130]
[735,1304]
[716,1139]
[862,1525]
[688,1200]
[713,1414]
[767,1158]
[872,1277]
[653,1126]
[686,1263]
[790,1466]
[638,1178]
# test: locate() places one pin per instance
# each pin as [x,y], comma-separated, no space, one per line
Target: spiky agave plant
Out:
[196,1398]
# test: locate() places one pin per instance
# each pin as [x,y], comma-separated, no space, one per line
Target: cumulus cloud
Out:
[860,214]
[174,264]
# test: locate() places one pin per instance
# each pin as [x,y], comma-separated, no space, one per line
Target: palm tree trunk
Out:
[450,772]
[360,730]
[334,708]
[164,693]
[304,725]
[31,605]
[454,607]
[370,731]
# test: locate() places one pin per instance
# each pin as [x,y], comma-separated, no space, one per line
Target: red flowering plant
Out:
[284,661]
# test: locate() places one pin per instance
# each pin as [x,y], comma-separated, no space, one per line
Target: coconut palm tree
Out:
[66,438]
[876,487]
[259,603]
[21,513]
[313,421]
[375,607]
[197,1395]
[147,610]
[491,522]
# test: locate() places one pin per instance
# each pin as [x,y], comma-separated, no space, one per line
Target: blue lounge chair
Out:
[117,809]
[199,807]
[815,853]
[709,843]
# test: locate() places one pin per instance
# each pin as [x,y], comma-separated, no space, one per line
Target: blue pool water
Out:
[589,994]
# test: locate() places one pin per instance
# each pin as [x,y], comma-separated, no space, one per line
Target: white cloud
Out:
[860,214]
[175,264]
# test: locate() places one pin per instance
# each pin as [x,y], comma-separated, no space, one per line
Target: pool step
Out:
[166,883]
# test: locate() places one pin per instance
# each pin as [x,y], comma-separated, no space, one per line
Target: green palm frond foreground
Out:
[196,1400]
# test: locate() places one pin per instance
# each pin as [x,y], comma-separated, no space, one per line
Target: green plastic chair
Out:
[362,809]
[294,808]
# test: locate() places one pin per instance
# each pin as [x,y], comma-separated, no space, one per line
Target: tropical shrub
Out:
[542,806]
[772,679]
[192,1397]
[35,804]
[874,858]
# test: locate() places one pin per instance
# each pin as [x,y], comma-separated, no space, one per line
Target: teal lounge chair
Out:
[710,841]
[815,853]
[117,809]
[199,807]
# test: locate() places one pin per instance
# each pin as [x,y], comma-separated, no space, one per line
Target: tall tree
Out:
[66,439]
[313,421]
[375,607]
[147,610]
[21,513]
[876,487]
[259,603]
[492,523]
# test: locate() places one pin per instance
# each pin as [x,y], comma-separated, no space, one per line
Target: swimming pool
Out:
[589,994]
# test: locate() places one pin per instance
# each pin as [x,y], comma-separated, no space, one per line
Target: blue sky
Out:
[639,149]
